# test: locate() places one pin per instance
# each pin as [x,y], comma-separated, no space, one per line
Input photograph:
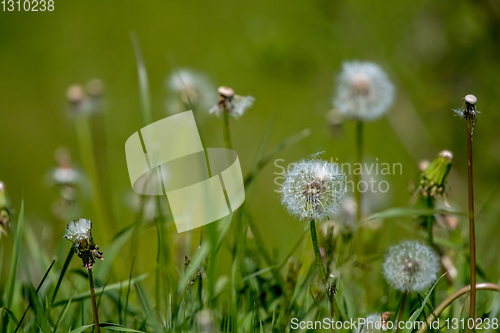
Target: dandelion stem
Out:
[322,272]
[430,222]
[401,309]
[94,304]
[357,163]
[472,232]
[450,299]
[226,133]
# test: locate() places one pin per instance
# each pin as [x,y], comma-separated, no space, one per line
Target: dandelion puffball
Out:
[78,230]
[411,266]
[313,189]
[363,92]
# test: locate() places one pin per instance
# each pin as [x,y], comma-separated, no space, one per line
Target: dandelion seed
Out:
[313,189]
[79,232]
[411,266]
[189,89]
[234,105]
[364,91]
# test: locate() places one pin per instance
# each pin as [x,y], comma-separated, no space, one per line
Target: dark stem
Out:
[401,309]
[94,304]
[227,135]
[472,232]
[328,289]
[357,162]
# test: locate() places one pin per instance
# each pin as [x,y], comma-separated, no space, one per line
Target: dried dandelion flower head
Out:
[313,189]
[79,232]
[364,91]
[432,179]
[411,266]
[234,105]
[189,89]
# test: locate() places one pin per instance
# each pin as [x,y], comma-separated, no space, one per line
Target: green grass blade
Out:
[81,328]
[147,116]
[63,272]
[116,327]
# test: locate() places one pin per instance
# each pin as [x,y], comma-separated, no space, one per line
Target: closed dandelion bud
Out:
[79,232]
[234,105]
[433,178]
[363,92]
[411,266]
[313,189]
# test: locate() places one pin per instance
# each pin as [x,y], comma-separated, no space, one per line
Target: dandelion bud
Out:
[364,91]
[433,177]
[95,88]
[411,266]
[75,94]
[79,232]
[231,103]
[313,189]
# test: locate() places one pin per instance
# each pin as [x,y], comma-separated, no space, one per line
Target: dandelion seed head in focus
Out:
[363,92]
[313,189]
[79,232]
[411,266]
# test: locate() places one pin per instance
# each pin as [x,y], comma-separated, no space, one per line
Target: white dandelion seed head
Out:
[78,230]
[313,189]
[363,92]
[411,266]
[189,88]
[373,324]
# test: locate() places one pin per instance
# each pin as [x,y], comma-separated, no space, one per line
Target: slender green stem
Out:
[328,289]
[94,304]
[472,232]
[358,163]
[226,133]
[85,143]
[450,299]
[430,222]
[401,309]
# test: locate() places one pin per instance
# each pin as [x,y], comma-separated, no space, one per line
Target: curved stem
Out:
[94,304]
[328,289]
[450,299]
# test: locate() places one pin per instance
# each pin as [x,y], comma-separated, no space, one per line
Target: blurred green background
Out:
[285,54]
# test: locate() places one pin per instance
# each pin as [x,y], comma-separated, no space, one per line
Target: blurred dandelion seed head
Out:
[411,266]
[373,324]
[235,105]
[189,89]
[313,189]
[363,92]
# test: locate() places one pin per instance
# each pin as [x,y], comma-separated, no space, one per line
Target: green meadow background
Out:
[285,54]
